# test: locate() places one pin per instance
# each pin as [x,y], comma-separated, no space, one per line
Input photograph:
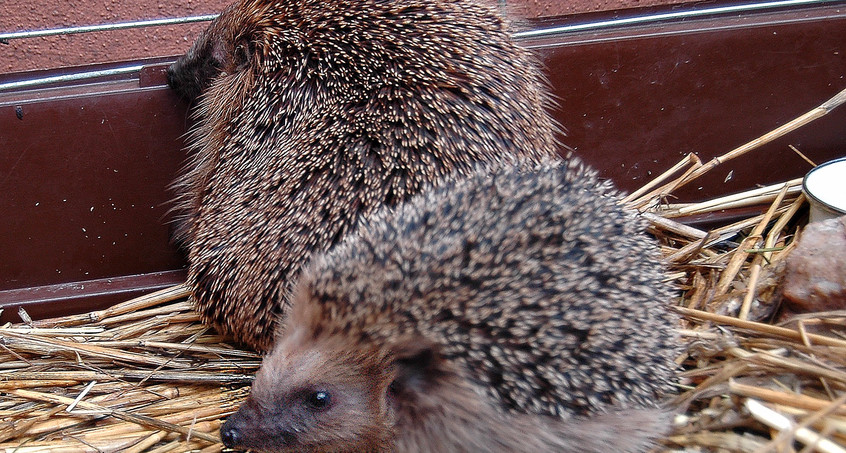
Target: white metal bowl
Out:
[825,187]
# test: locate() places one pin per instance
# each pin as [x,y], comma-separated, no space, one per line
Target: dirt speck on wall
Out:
[103,47]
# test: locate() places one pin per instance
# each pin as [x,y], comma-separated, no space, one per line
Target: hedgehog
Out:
[517,309]
[312,114]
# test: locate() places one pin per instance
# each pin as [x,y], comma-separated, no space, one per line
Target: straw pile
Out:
[749,385]
[147,376]
[143,376]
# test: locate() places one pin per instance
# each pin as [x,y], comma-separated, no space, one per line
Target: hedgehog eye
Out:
[318,400]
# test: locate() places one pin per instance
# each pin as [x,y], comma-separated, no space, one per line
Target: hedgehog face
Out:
[224,48]
[312,397]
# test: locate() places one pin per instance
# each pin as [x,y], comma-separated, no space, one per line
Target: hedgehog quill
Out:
[311,114]
[519,310]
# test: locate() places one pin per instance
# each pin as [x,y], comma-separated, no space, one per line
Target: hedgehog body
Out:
[314,113]
[514,311]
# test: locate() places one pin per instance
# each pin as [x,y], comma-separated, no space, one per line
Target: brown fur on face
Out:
[315,113]
[521,310]
[280,414]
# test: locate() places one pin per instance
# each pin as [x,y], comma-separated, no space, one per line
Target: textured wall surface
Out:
[549,8]
[101,47]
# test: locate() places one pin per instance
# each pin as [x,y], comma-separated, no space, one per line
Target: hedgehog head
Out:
[350,48]
[227,47]
[319,390]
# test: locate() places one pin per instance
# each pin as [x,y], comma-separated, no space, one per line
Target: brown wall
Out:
[550,8]
[101,47]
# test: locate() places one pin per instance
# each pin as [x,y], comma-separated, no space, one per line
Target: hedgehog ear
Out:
[416,366]
[244,51]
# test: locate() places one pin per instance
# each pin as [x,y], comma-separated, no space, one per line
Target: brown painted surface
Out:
[103,47]
[636,101]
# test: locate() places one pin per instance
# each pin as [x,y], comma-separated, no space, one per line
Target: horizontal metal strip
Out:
[105,27]
[647,19]
[69,77]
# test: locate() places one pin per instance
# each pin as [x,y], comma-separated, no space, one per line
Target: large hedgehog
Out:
[504,312]
[313,113]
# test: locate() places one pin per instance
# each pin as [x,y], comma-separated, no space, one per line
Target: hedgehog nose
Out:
[171,81]
[230,435]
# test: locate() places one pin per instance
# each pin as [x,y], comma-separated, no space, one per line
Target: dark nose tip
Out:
[171,72]
[230,435]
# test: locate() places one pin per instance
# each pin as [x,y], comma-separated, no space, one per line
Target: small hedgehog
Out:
[518,310]
[314,113]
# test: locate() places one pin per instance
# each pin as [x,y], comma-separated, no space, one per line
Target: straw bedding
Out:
[147,376]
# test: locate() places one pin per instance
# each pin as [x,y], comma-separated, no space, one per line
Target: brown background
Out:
[101,47]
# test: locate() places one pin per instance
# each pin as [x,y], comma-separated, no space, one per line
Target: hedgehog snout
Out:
[231,431]
[189,75]
[171,76]
[176,80]
[253,427]
[246,427]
